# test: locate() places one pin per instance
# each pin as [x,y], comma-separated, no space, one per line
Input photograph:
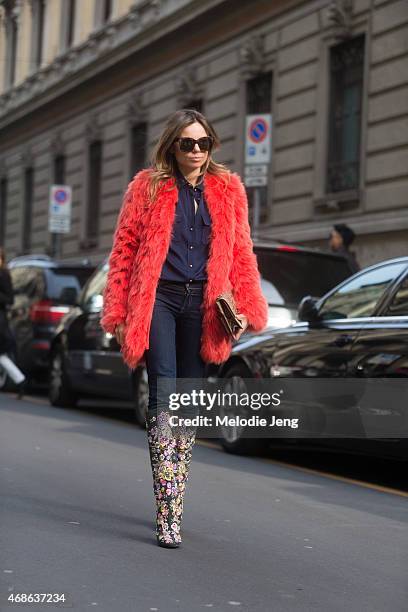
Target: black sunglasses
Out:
[187,144]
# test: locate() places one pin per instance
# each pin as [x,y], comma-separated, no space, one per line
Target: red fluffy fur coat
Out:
[140,244]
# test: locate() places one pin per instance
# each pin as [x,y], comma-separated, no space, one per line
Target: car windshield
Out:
[61,278]
[360,296]
[287,276]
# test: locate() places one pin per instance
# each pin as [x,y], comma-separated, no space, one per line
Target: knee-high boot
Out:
[163,459]
[185,439]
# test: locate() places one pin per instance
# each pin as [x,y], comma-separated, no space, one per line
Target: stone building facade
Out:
[85,88]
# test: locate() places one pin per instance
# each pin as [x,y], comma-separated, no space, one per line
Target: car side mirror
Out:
[69,295]
[307,310]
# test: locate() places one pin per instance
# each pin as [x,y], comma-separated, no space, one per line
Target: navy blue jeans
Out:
[174,343]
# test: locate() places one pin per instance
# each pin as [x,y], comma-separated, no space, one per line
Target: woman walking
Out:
[6,338]
[182,238]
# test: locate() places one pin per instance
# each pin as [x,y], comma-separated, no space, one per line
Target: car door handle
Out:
[343,340]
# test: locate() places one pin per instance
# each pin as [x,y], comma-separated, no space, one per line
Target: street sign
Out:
[256,175]
[256,181]
[258,135]
[59,213]
[256,170]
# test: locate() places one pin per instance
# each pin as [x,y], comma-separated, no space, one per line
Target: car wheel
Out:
[141,396]
[60,392]
[231,436]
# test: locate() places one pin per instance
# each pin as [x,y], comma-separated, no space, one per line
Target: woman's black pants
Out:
[174,343]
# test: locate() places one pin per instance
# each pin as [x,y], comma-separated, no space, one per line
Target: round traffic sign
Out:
[258,130]
[60,196]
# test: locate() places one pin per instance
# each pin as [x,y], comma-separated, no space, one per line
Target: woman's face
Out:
[188,162]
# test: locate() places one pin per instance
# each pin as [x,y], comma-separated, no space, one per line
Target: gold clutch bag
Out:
[227,313]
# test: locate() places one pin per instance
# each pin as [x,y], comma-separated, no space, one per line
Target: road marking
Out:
[354,481]
[209,444]
[316,472]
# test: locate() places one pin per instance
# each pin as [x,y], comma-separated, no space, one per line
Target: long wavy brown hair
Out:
[163,160]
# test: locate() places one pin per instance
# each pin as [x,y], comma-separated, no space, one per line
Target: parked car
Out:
[357,331]
[44,291]
[85,361]
[289,272]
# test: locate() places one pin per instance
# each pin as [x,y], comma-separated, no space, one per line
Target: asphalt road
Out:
[77,517]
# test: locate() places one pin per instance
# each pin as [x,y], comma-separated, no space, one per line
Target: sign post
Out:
[258,139]
[59,214]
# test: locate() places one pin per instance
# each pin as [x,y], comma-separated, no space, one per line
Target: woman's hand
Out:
[120,333]
[244,322]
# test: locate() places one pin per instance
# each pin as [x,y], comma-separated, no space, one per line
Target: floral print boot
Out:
[163,459]
[185,438]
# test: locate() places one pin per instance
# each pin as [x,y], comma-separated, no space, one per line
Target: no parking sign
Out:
[258,139]
[59,217]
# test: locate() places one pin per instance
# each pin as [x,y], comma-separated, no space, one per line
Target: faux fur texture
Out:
[140,245]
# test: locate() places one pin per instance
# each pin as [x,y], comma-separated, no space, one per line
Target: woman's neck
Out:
[191,176]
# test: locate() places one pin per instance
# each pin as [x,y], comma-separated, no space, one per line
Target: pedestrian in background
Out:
[6,338]
[341,238]
[182,238]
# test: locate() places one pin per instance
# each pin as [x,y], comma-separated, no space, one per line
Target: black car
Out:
[85,361]
[356,333]
[44,291]
[289,272]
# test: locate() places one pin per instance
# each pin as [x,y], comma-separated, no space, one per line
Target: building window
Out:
[11,27]
[70,23]
[138,144]
[3,209]
[258,101]
[13,51]
[102,12]
[38,31]
[107,10]
[259,94]
[94,191]
[59,169]
[346,91]
[28,208]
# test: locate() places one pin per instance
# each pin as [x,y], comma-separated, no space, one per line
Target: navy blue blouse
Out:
[188,251]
